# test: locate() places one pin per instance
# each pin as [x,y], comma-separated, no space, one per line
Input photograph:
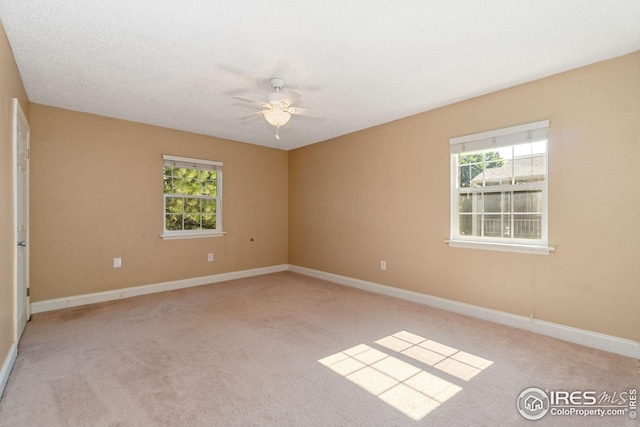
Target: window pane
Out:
[464,172]
[497,172]
[167,178]
[470,202]
[530,169]
[527,201]
[191,183]
[191,206]
[482,168]
[177,186]
[527,226]
[192,222]
[497,202]
[174,205]
[494,225]
[209,222]
[173,222]
[472,157]
[208,206]
[491,156]
[530,149]
[477,177]
[471,165]
[209,188]
[470,225]
[207,175]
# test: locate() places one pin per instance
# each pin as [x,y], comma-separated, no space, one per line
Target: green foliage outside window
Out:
[471,165]
[190,203]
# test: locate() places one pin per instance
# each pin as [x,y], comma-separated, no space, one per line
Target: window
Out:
[499,189]
[192,198]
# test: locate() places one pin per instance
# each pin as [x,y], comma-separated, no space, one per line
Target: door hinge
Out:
[28,153]
[28,291]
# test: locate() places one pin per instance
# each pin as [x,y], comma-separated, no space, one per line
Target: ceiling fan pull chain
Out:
[278,133]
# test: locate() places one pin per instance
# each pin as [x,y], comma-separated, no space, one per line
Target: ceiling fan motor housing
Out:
[277,83]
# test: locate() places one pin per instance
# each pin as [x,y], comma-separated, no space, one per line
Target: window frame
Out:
[204,165]
[499,138]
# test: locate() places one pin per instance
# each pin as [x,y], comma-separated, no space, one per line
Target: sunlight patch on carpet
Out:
[402,385]
[447,359]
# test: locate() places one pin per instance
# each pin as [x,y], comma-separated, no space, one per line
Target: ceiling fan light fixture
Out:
[278,110]
[277,117]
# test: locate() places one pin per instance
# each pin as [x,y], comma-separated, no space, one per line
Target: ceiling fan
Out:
[277,109]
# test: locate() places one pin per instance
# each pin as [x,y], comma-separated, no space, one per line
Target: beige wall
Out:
[96,194]
[10,87]
[383,194]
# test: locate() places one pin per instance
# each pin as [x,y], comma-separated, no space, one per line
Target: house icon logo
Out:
[533,403]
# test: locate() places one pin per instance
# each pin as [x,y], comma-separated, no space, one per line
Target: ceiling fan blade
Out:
[290,97]
[306,112]
[253,101]
[253,116]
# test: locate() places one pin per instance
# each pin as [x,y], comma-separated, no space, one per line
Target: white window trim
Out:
[501,247]
[199,234]
[538,246]
[195,234]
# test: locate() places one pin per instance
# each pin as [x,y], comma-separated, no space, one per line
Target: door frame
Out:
[20,118]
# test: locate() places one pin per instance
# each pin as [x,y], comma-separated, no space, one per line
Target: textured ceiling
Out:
[363,62]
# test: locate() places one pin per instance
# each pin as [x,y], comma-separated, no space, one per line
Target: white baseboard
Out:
[7,366]
[78,300]
[579,336]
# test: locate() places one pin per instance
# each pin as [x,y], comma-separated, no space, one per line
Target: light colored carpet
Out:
[289,350]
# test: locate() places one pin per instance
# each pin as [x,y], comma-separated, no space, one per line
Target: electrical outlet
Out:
[383,265]
[117,262]
[210,257]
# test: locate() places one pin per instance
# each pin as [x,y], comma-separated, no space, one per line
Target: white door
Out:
[21,179]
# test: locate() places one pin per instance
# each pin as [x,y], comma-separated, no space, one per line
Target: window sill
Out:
[187,235]
[502,247]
